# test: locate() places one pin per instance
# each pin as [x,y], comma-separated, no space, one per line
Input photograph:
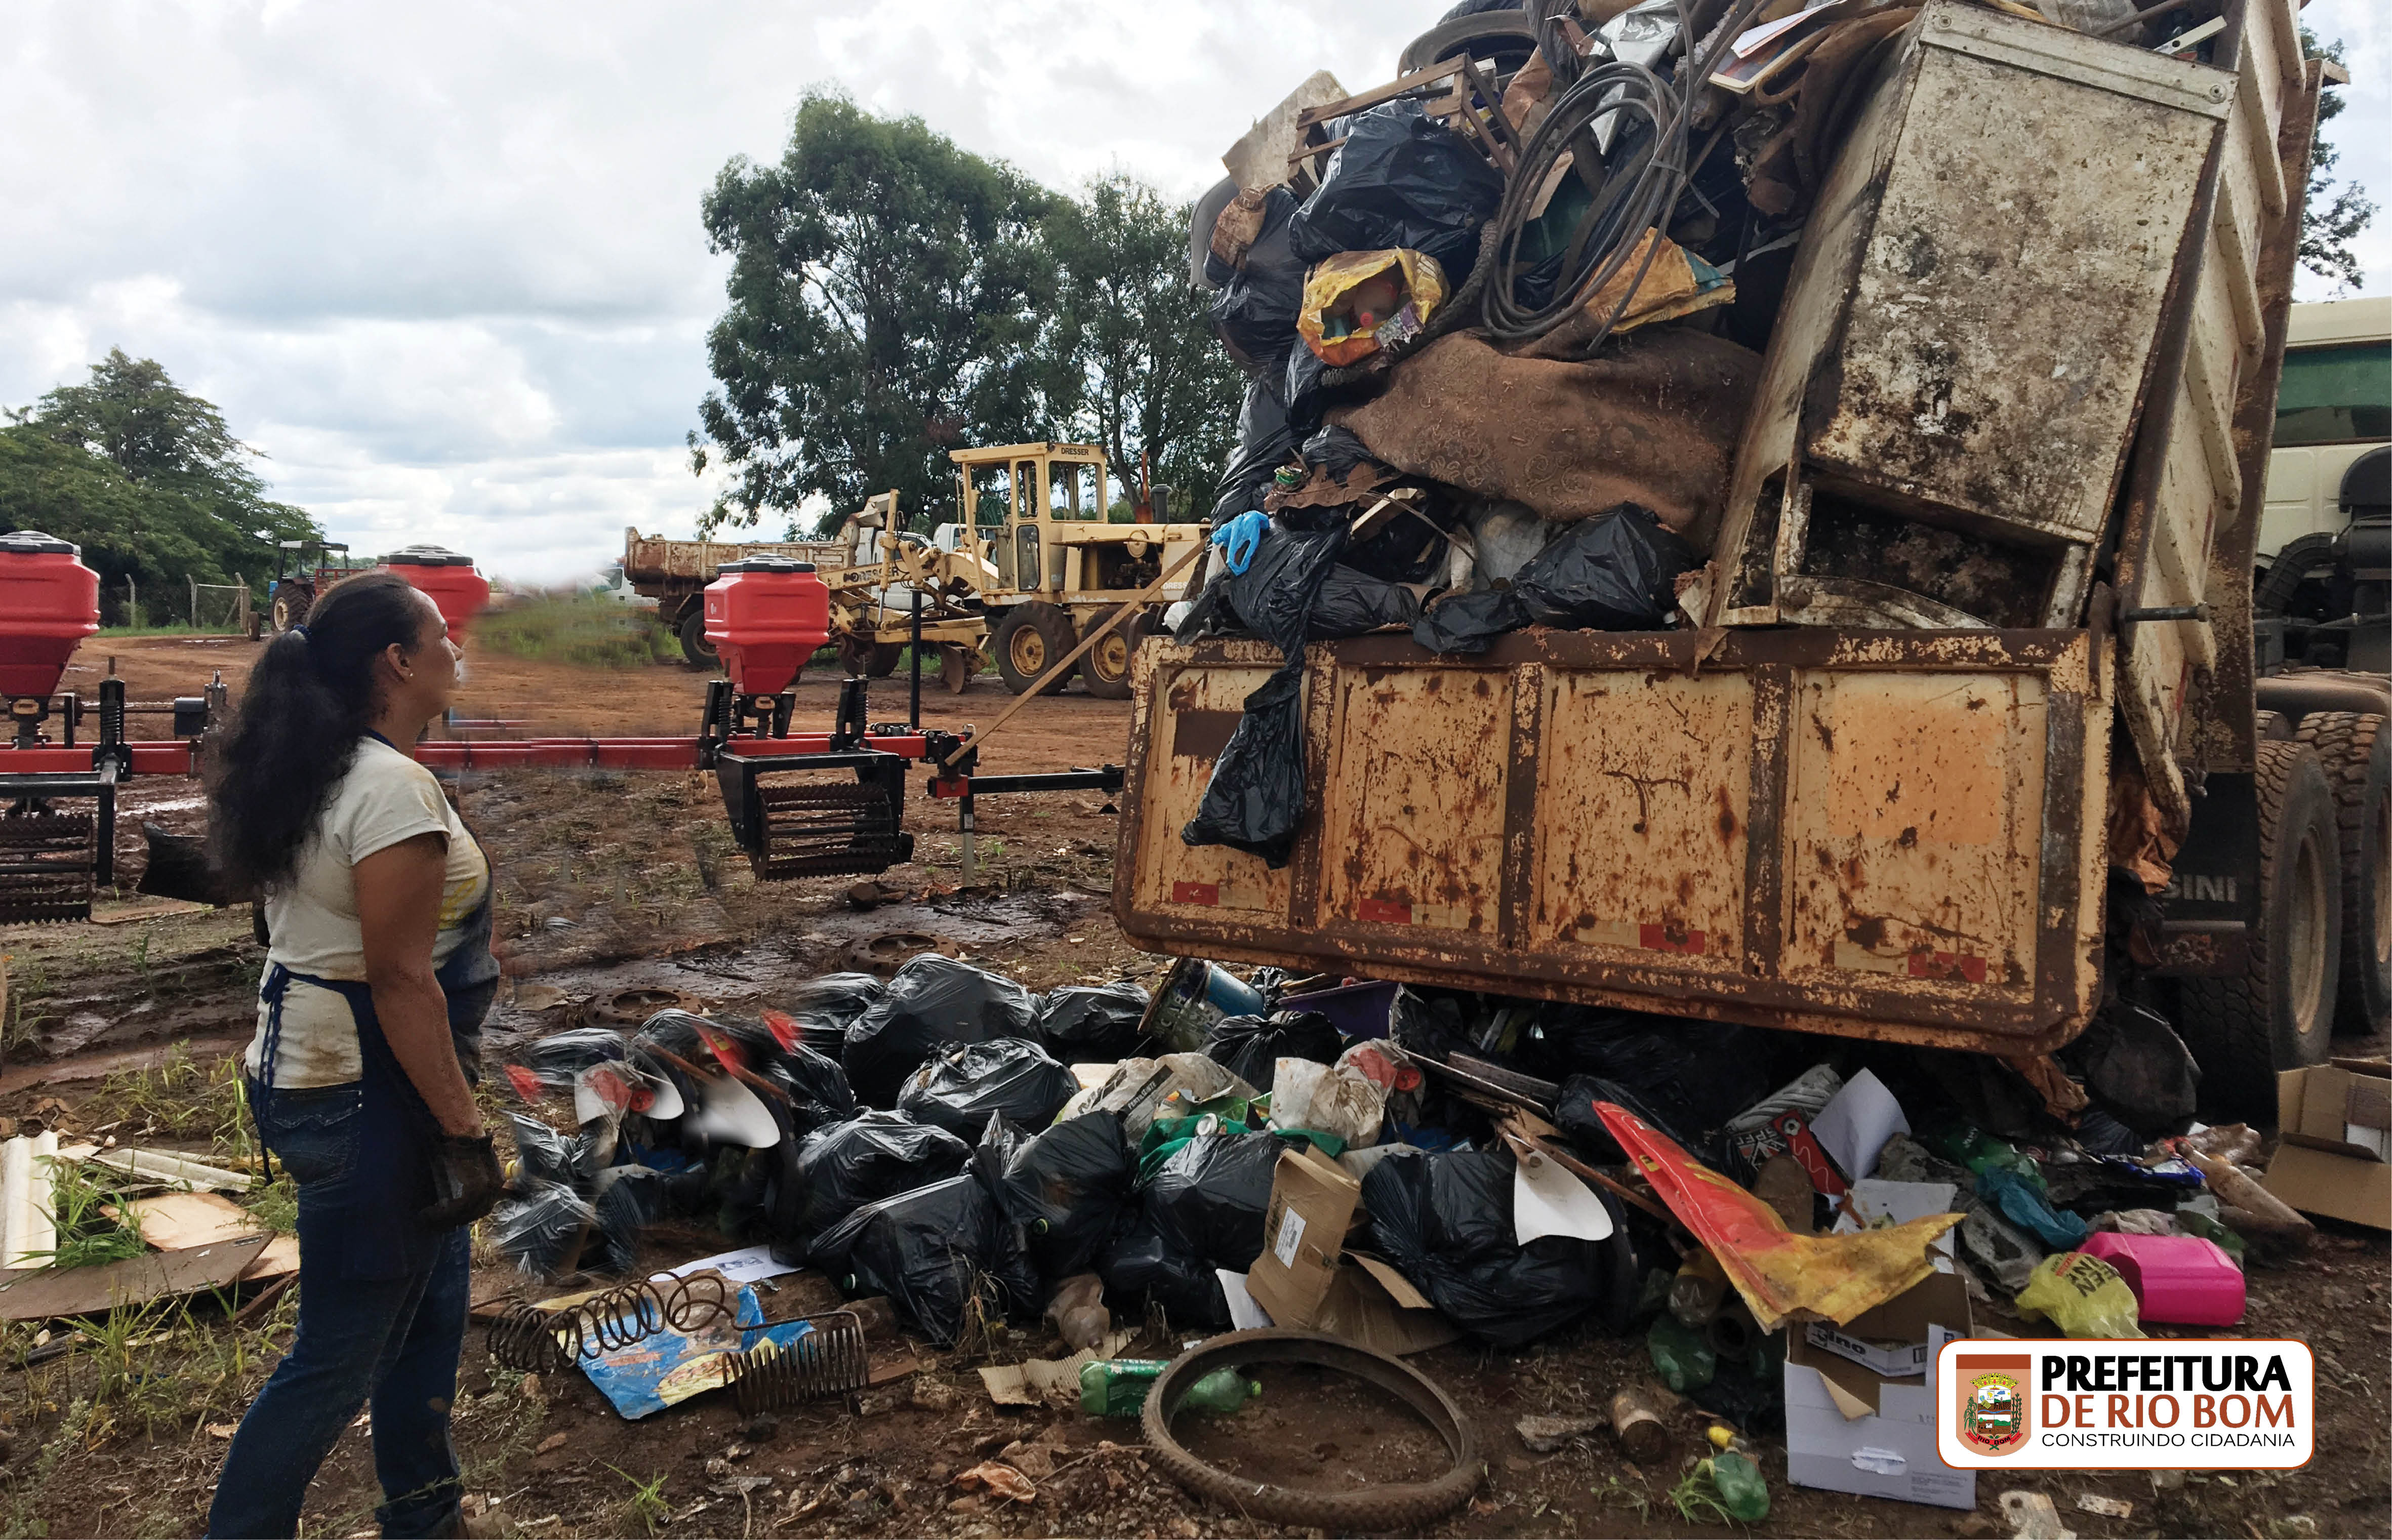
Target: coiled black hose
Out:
[1634,188]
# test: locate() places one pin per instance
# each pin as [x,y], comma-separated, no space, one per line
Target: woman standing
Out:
[369,1030]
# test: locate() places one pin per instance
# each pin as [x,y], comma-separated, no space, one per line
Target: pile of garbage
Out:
[1772,1213]
[1502,321]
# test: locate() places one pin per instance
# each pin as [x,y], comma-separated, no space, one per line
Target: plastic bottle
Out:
[1118,1386]
[1742,1491]
[1696,1292]
[1681,1356]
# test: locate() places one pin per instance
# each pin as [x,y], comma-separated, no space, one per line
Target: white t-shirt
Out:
[312,918]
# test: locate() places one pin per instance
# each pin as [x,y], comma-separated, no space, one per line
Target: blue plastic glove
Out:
[1241,537]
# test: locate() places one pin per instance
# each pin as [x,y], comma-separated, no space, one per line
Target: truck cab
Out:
[2323,536]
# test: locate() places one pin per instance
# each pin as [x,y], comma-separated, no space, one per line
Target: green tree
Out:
[888,301]
[1151,381]
[2331,218]
[145,476]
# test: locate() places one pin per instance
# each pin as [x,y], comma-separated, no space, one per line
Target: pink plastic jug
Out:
[2180,1279]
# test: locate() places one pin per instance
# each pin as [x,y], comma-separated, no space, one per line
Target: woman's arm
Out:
[398,910]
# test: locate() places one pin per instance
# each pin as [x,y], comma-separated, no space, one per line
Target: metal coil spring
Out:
[828,1361]
[535,1341]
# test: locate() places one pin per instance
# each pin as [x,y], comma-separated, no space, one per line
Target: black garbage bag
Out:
[828,1005]
[1351,603]
[1255,799]
[1616,571]
[1401,178]
[959,1088]
[1446,1222]
[817,1086]
[1255,310]
[541,1152]
[1092,1025]
[1070,1188]
[1203,1211]
[1264,443]
[932,1000]
[1337,450]
[1306,393]
[539,1226]
[1685,1077]
[560,1056]
[630,1200]
[934,1251]
[870,1157]
[1251,1047]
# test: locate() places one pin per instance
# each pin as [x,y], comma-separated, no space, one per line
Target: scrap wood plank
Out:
[178,1222]
[37,1294]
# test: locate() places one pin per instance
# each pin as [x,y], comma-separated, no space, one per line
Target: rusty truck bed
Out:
[1895,835]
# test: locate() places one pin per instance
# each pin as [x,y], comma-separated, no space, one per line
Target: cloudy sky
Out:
[442,262]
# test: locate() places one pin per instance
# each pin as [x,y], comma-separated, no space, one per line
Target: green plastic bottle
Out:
[1742,1491]
[1118,1386]
[1681,1356]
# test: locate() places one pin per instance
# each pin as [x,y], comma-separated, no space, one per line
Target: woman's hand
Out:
[398,910]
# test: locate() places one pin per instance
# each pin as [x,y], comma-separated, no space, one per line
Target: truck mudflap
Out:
[1892,835]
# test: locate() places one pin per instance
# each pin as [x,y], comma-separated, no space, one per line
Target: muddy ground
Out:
[618,883]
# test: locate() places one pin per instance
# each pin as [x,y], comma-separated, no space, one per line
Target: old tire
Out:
[290,606]
[1029,640]
[1104,667]
[2280,1014]
[696,651]
[1398,1508]
[1507,36]
[2355,754]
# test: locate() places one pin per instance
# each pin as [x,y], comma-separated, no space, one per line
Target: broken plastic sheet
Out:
[1549,1199]
[1617,572]
[1775,1271]
[1856,1122]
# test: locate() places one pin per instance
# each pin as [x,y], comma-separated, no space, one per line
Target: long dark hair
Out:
[308,704]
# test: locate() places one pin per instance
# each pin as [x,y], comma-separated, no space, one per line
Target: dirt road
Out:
[615,881]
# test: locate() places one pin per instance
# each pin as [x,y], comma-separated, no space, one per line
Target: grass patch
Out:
[600,634]
[184,1098]
[646,1505]
[86,1237]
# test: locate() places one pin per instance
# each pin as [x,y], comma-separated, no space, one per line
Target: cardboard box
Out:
[1306,1279]
[1850,1427]
[2335,1119]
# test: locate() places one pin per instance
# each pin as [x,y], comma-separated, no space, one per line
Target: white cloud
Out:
[442,261]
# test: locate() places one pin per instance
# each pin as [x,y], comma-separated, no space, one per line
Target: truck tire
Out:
[2356,753]
[2280,1014]
[885,658]
[290,606]
[1507,37]
[1029,640]
[696,651]
[1104,667]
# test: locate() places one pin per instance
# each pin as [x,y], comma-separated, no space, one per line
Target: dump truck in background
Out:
[1036,564]
[1873,802]
[675,572]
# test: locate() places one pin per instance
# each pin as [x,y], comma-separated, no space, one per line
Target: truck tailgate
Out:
[1883,834]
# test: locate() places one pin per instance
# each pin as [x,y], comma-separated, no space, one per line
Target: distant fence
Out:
[216,608]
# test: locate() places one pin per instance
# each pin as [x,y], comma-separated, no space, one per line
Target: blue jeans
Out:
[393,1339]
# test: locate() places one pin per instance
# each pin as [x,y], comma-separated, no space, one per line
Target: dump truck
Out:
[675,572]
[1843,799]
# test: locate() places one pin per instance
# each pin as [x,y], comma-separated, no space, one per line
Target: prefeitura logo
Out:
[1992,1409]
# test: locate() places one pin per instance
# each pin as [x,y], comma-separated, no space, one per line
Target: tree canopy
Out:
[886,299]
[2331,219]
[1151,379]
[893,296]
[145,476]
